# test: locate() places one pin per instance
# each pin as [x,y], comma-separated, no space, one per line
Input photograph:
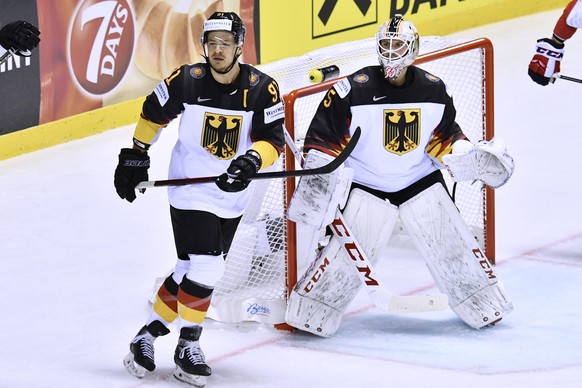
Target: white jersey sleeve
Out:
[574,18]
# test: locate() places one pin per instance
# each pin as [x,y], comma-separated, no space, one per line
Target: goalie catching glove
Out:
[487,161]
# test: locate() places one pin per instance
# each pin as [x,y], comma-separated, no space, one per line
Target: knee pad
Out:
[205,269]
[181,269]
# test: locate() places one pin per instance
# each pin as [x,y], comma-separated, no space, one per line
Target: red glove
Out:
[546,61]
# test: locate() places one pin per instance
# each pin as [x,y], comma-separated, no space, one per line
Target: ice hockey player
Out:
[408,134]
[550,51]
[18,37]
[231,120]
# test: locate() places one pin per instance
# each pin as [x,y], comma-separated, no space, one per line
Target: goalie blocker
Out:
[452,254]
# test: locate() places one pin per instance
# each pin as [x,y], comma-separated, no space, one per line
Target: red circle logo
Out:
[101,40]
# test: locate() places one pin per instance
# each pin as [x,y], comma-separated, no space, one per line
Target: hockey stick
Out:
[6,55]
[565,77]
[12,52]
[380,296]
[326,169]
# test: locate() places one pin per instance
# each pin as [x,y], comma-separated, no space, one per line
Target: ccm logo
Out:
[550,53]
[317,275]
[353,251]
[101,41]
[484,263]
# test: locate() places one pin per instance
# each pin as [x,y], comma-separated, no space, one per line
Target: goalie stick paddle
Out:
[381,297]
[326,169]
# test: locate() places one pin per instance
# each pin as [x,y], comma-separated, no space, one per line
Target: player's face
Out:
[221,49]
[392,49]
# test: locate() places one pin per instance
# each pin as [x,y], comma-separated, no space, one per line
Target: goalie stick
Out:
[380,296]
[326,169]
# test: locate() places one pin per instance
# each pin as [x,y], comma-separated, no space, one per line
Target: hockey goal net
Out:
[261,266]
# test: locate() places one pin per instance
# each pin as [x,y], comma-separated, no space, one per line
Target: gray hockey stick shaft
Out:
[380,296]
[6,55]
[12,52]
[326,169]
[565,77]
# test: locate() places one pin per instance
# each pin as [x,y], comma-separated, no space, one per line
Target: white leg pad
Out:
[317,197]
[485,307]
[325,290]
[454,258]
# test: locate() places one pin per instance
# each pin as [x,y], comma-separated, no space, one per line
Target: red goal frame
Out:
[289,100]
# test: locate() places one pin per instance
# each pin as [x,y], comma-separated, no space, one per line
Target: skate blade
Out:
[133,368]
[195,380]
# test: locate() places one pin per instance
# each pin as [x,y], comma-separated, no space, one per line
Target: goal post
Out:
[262,264]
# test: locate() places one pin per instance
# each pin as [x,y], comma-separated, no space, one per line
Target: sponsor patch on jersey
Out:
[253,78]
[432,78]
[221,135]
[161,92]
[361,78]
[401,130]
[342,87]
[197,72]
[274,113]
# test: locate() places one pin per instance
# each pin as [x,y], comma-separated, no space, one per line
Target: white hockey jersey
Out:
[405,130]
[218,123]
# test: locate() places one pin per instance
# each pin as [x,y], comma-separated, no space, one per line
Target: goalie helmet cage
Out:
[261,266]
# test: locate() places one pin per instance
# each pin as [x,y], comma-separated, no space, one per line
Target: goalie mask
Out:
[397,46]
[224,21]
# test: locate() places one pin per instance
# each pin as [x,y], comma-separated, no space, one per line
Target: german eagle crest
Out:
[401,130]
[221,135]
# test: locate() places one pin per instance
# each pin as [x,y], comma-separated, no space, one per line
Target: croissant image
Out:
[166,38]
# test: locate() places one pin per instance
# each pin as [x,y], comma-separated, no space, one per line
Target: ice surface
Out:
[78,266]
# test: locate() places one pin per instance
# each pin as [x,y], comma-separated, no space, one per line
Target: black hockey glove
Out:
[20,36]
[132,169]
[236,177]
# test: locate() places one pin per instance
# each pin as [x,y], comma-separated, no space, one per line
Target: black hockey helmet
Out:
[225,21]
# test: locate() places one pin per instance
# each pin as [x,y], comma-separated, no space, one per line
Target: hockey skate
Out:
[140,358]
[191,365]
